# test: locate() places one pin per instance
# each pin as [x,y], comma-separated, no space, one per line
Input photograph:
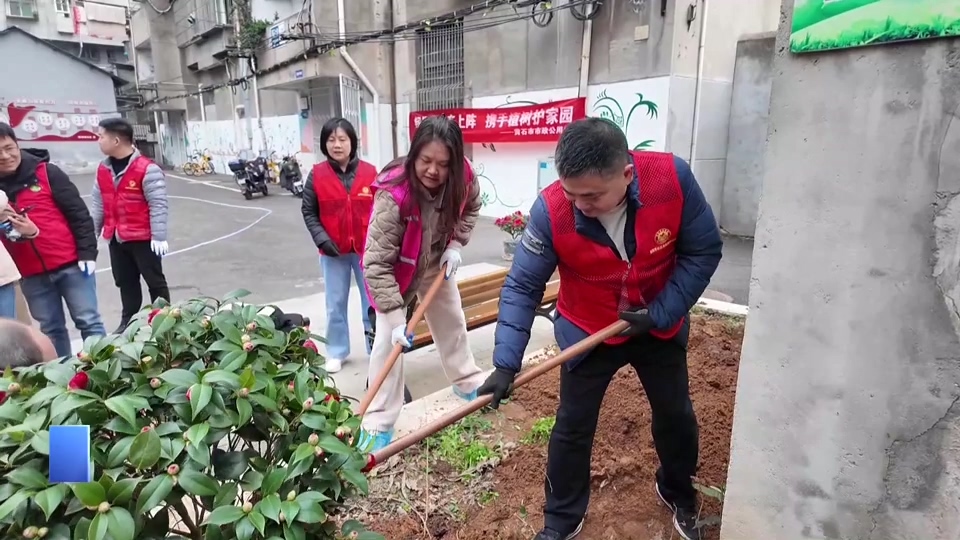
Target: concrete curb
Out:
[431,407]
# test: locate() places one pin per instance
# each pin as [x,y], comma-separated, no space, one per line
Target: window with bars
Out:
[63,6]
[25,9]
[440,73]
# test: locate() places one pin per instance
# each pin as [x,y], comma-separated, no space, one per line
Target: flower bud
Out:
[13,388]
[292,496]
[31,532]
[331,398]
[173,469]
[308,404]
[145,429]
[313,439]
[247,507]
[245,338]
[342,432]
[248,346]
[282,517]
[175,313]
[290,386]
[155,383]
[188,393]
[318,452]
[104,507]
[205,322]
[252,327]
[244,392]
[42,531]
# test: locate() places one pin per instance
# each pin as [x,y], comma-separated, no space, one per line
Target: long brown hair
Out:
[445,131]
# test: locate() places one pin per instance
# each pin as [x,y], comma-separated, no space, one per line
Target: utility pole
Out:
[242,72]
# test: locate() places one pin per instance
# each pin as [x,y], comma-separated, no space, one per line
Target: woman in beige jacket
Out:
[424,210]
[9,275]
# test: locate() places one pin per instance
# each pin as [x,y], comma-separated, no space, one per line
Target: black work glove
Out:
[329,249]
[499,383]
[640,322]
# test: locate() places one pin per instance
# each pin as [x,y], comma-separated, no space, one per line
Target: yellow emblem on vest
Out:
[662,236]
[365,191]
[133,183]
[35,189]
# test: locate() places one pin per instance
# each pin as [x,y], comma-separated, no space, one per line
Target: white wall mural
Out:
[508,172]
[225,139]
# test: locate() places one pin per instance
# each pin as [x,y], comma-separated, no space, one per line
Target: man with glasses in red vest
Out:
[634,239]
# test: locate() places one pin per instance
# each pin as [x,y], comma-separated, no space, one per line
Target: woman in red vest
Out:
[337,200]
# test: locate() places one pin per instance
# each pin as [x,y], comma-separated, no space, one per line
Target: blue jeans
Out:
[336,279]
[8,301]
[46,294]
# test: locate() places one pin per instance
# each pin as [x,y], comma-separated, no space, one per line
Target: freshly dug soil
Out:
[418,496]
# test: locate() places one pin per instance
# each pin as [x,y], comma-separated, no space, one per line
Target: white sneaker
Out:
[333,365]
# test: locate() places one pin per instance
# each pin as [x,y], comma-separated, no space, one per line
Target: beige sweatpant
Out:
[448,327]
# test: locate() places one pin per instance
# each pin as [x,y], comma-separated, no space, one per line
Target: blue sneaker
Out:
[371,441]
[466,396]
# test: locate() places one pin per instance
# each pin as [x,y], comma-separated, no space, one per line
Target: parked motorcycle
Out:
[251,176]
[291,178]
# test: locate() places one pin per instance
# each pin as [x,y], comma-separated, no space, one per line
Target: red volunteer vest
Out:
[55,247]
[596,285]
[125,208]
[345,216]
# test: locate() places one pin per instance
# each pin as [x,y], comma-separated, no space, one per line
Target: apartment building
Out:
[94,30]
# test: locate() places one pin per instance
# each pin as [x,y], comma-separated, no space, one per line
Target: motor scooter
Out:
[251,176]
[291,178]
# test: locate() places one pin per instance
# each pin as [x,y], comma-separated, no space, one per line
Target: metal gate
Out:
[351,105]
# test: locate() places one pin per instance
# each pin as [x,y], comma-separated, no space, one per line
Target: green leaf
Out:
[145,450]
[197,433]
[356,478]
[252,481]
[180,377]
[121,492]
[227,327]
[233,361]
[127,406]
[162,323]
[257,520]
[28,477]
[197,483]
[167,428]
[310,512]
[235,294]
[199,454]
[89,493]
[41,442]
[224,515]
[49,499]
[59,374]
[315,421]
[119,452]
[13,502]
[223,345]
[334,445]
[294,532]
[269,405]
[43,396]
[67,403]
[304,451]
[99,527]
[244,412]
[154,493]
[247,378]
[226,495]
[290,510]
[273,480]
[121,524]
[200,395]
[224,378]
[270,507]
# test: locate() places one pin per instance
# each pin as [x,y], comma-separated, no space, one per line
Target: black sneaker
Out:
[684,519]
[550,534]
[123,326]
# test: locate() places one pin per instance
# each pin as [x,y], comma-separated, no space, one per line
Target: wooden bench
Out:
[480,296]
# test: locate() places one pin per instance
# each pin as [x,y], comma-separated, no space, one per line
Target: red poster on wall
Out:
[529,123]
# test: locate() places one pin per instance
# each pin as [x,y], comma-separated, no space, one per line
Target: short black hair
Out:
[347,128]
[7,132]
[119,127]
[18,348]
[591,146]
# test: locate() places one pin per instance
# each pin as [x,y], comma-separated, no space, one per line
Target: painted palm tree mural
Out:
[609,108]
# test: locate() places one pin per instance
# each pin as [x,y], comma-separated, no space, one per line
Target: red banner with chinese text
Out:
[527,123]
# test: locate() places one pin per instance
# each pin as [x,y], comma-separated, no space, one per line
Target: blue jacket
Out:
[698,250]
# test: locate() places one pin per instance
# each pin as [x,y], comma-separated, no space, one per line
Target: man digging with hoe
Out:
[634,239]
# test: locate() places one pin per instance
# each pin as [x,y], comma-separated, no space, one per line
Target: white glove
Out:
[88,267]
[451,257]
[400,337]
[160,248]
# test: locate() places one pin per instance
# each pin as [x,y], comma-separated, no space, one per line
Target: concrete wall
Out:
[846,423]
[726,21]
[747,135]
[45,25]
[25,62]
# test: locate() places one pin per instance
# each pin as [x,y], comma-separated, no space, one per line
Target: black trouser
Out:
[130,261]
[662,369]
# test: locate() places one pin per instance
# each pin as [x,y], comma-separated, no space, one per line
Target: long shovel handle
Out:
[398,349]
[456,415]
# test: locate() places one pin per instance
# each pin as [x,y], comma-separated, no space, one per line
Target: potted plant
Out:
[206,423]
[512,224]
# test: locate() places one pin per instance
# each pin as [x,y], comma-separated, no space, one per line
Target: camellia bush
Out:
[206,422]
